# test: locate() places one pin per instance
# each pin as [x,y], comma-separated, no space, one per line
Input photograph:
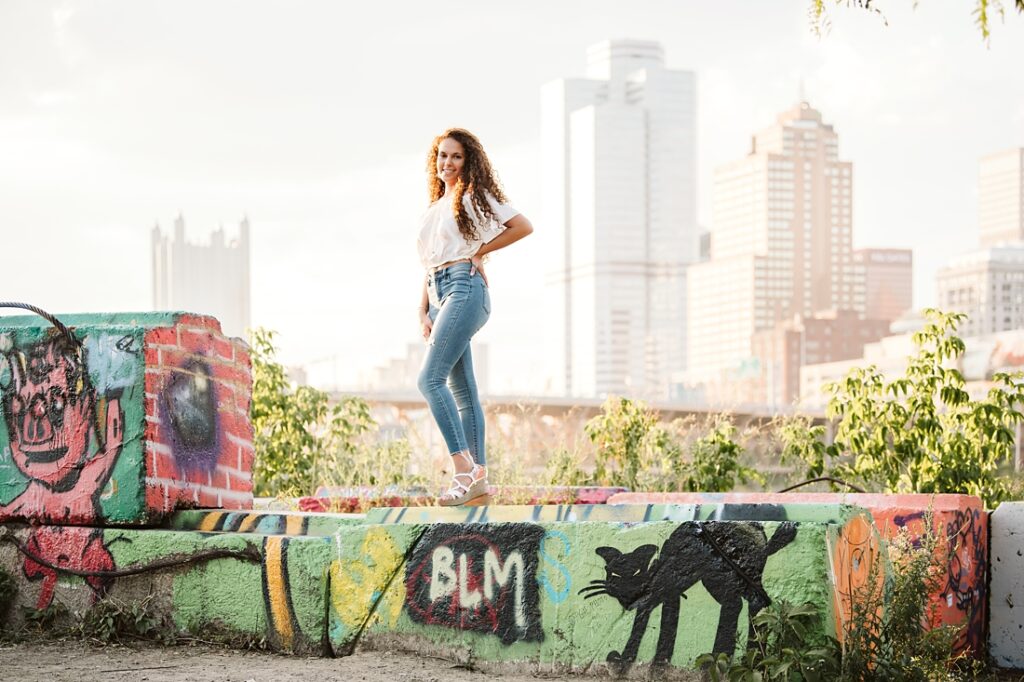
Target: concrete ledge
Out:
[347,500]
[1006,636]
[262,522]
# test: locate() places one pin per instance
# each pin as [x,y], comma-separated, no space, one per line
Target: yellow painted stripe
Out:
[293,525]
[248,523]
[278,591]
[209,521]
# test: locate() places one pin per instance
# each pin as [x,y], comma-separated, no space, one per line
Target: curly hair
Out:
[477,178]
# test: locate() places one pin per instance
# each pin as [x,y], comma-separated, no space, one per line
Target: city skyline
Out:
[108,124]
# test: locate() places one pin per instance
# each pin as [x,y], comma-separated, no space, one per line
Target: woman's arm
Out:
[425,324]
[517,227]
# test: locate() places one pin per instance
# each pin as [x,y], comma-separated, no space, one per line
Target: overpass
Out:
[743,414]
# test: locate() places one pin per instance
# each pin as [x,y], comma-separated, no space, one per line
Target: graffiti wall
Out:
[572,595]
[960,522]
[141,414]
[577,594]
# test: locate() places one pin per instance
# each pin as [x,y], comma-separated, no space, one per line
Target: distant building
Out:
[1001,197]
[619,190]
[829,336]
[984,356]
[883,283]
[211,279]
[987,285]
[781,243]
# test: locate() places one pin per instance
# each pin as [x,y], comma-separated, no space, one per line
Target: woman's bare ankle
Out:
[463,462]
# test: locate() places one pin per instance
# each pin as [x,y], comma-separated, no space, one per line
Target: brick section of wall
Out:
[178,472]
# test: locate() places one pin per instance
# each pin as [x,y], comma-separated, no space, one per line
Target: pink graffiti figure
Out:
[78,549]
[51,414]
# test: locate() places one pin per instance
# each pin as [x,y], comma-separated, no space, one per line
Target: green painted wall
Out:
[575,632]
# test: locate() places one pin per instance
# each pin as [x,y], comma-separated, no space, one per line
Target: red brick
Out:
[233,374]
[175,359]
[151,406]
[195,340]
[163,465]
[225,396]
[152,357]
[153,433]
[235,424]
[154,496]
[203,321]
[162,336]
[220,479]
[224,348]
[246,459]
[242,355]
[208,499]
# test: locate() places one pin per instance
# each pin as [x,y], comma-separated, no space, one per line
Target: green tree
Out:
[921,432]
[984,11]
[714,464]
[298,434]
[622,434]
[633,449]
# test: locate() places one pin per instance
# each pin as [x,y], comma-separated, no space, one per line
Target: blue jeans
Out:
[459,306]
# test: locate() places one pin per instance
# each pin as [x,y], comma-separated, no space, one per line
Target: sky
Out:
[314,118]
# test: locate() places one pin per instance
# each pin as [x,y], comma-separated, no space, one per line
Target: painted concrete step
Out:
[262,522]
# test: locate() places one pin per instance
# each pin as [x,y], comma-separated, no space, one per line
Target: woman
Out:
[468,218]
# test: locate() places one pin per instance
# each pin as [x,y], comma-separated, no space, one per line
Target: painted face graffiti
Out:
[484,581]
[728,558]
[63,437]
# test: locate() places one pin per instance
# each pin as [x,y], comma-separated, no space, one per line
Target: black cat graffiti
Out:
[727,557]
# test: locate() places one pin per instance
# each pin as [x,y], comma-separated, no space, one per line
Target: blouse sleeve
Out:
[503,213]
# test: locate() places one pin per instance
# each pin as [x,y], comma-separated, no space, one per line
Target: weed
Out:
[8,591]
[111,621]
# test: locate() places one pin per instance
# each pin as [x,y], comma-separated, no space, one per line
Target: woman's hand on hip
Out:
[425,325]
[477,265]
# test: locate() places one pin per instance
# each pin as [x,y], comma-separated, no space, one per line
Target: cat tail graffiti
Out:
[782,536]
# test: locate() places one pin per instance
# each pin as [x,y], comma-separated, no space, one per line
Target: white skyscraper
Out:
[209,279]
[1001,197]
[620,189]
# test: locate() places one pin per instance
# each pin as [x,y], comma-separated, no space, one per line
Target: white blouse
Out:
[440,240]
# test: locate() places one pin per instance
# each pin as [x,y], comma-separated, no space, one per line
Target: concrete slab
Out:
[1006,624]
[589,595]
[961,599]
[142,414]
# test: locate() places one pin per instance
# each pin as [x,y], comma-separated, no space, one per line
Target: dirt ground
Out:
[74,661]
